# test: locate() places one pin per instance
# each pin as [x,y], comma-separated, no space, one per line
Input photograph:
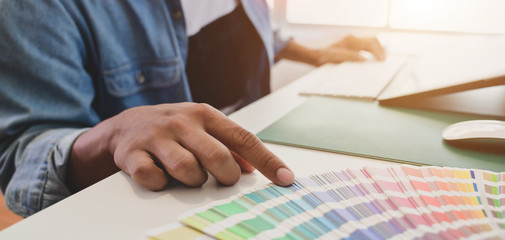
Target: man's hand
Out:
[182,140]
[347,49]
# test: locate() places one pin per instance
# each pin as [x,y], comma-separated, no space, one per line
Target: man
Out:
[93,87]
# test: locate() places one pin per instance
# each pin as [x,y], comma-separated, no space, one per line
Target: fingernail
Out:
[285,177]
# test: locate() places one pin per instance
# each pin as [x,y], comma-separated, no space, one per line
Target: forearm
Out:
[91,159]
[347,49]
[296,52]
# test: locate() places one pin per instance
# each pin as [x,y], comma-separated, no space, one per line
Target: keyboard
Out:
[364,80]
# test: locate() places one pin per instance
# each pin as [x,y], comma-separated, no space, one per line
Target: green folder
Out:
[366,129]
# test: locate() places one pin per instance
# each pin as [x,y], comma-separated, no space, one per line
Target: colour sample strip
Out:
[403,202]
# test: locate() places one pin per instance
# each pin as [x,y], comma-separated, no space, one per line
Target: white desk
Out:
[117,208]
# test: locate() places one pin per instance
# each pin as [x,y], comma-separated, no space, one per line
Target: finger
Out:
[249,147]
[371,45]
[180,163]
[376,49]
[244,165]
[213,155]
[143,170]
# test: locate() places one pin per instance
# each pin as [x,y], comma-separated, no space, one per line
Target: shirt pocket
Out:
[135,77]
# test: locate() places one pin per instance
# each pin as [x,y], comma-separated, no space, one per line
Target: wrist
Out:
[107,133]
[94,143]
[299,53]
[90,159]
[316,57]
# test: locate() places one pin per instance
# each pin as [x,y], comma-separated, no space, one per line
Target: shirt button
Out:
[177,14]
[140,78]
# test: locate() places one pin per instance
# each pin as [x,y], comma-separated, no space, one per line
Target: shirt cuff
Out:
[40,177]
[56,188]
[280,41]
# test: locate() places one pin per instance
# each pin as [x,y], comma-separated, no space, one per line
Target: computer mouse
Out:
[478,135]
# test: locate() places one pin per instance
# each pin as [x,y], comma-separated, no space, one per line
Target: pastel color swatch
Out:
[401,202]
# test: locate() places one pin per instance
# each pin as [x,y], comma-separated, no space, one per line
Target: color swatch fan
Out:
[402,202]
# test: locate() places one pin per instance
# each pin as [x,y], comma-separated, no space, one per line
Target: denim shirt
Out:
[67,65]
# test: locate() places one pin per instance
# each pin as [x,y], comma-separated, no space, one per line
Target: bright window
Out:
[338,12]
[475,16]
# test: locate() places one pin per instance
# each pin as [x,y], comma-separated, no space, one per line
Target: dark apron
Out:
[227,62]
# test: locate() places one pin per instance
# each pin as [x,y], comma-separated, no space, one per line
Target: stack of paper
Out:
[403,202]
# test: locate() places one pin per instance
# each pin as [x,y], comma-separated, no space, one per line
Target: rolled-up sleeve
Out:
[280,40]
[46,95]
[40,170]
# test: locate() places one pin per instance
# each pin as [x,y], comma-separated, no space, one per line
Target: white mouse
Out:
[480,135]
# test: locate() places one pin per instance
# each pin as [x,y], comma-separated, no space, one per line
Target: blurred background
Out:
[397,24]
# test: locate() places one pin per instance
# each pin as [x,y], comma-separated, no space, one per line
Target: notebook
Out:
[458,66]
[365,80]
